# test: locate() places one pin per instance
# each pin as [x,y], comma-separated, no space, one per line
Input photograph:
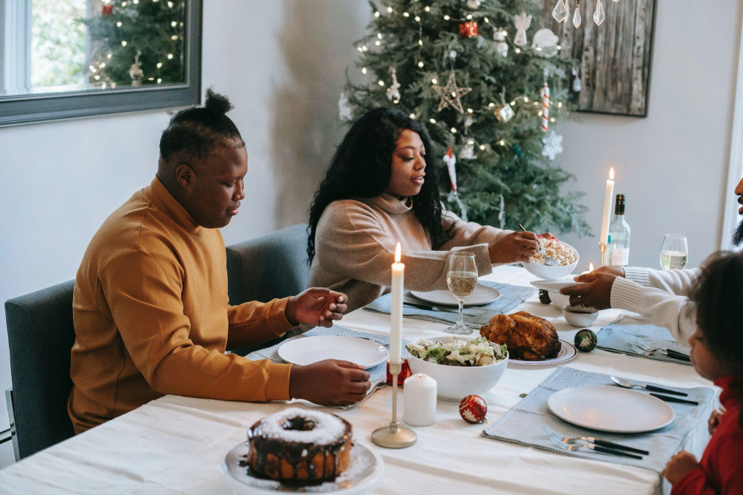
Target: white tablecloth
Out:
[174,444]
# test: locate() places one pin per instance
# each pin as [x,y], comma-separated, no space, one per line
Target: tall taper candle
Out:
[604,239]
[398,284]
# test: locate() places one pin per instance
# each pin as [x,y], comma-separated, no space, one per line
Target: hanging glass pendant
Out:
[599,16]
[561,12]
[576,16]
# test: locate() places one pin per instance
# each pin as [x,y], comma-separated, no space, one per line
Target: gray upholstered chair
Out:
[40,337]
[268,267]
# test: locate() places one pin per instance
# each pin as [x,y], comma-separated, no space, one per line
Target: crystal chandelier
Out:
[561,12]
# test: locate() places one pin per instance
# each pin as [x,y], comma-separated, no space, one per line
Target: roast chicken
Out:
[528,337]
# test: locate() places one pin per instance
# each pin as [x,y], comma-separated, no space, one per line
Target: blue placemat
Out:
[523,425]
[627,329]
[511,296]
[378,374]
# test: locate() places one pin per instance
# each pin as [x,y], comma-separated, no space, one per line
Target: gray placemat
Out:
[378,374]
[523,424]
[511,296]
[627,329]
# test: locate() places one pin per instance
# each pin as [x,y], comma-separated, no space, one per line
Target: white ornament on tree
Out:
[451,167]
[577,86]
[473,4]
[545,42]
[468,151]
[468,120]
[501,47]
[135,71]
[344,109]
[522,22]
[393,92]
[552,145]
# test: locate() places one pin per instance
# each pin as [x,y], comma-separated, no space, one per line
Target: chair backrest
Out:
[40,336]
[268,267]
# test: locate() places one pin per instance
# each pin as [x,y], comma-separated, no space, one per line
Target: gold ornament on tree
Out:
[451,94]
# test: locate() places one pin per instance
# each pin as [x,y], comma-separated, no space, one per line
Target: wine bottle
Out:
[619,234]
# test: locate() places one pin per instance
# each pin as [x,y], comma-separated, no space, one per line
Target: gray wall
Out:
[283,63]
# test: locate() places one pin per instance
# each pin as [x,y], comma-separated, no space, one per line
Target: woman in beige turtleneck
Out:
[382,189]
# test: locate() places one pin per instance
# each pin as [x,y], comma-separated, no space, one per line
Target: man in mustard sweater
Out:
[150,306]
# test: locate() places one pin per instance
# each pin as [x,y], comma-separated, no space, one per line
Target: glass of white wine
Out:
[674,253]
[462,281]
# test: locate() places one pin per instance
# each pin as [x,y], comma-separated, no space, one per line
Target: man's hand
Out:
[595,293]
[516,246]
[714,419]
[329,383]
[679,465]
[316,306]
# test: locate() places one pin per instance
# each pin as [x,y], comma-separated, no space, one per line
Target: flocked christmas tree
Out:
[490,86]
[136,42]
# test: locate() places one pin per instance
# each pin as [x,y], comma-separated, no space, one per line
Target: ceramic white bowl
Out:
[578,316]
[553,272]
[457,382]
[559,300]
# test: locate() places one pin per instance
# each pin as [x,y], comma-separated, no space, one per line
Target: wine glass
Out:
[462,281]
[674,253]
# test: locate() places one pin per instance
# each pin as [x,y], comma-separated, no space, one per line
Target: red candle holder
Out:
[404,373]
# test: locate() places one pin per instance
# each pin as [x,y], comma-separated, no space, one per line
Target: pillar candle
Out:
[604,239]
[420,400]
[398,284]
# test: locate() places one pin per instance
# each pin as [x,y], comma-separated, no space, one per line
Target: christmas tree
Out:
[490,87]
[136,42]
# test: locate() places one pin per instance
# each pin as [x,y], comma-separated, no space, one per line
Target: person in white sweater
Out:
[381,189]
[660,296]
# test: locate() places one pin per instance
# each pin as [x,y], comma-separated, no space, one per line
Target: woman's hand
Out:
[516,246]
[316,306]
[679,465]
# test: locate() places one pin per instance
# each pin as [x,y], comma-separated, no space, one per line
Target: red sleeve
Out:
[695,482]
[723,469]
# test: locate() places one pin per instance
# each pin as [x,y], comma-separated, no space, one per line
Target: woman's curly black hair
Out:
[198,130]
[362,168]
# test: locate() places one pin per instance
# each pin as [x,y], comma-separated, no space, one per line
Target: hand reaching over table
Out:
[714,419]
[316,306]
[679,465]
[516,246]
[329,383]
[596,292]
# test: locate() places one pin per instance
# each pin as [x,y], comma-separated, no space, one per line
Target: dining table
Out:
[173,445]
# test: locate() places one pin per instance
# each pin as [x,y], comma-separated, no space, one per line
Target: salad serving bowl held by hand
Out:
[457,382]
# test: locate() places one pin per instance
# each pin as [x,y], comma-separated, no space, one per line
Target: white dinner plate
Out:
[612,409]
[555,284]
[308,350]
[482,295]
[567,352]
[363,474]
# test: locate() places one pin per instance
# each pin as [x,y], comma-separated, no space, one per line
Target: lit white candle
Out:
[398,284]
[604,239]
[590,269]
[420,400]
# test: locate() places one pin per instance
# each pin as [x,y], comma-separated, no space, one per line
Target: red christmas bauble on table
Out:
[473,409]
[468,29]
[404,373]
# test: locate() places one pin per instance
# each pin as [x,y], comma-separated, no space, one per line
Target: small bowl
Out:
[559,300]
[553,272]
[457,382]
[578,316]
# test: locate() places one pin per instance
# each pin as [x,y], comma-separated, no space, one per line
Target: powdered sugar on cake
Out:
[327,428]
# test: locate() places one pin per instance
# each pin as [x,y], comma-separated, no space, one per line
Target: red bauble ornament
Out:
[404,373]
[468,29]
[107,9]
[473,409]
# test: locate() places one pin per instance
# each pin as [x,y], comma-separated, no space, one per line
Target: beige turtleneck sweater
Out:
[355,243]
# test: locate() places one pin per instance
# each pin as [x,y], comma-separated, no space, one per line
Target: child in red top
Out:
[717,354]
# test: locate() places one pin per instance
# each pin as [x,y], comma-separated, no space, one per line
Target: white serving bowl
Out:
[553,272]
[457,382]
[578,316]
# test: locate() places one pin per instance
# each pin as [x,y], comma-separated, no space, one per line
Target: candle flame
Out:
[397,253]
[590,267]
[611,174]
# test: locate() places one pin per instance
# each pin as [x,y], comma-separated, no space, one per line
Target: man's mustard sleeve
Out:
[143,291]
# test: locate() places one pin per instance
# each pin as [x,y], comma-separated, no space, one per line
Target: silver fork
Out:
[374,389]
[573,446]
[595,441]
[647,350]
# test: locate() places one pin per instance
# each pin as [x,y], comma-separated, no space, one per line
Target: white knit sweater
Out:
[660,296]
[355,243]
